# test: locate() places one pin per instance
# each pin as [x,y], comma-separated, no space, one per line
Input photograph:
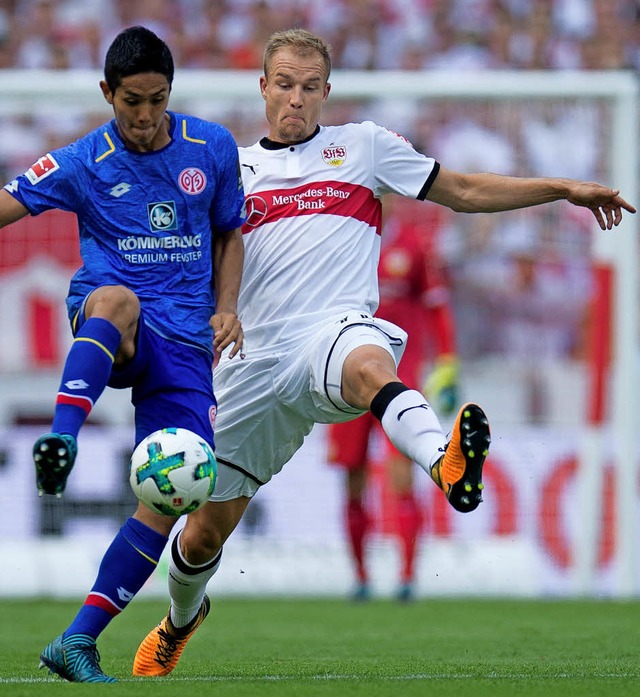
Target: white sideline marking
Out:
[381,678]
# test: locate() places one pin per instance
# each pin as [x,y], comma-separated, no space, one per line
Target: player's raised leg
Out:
[414,428]
[369,379]
[85,375]
[104,331]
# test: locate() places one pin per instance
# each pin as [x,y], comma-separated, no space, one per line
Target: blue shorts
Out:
[171,384]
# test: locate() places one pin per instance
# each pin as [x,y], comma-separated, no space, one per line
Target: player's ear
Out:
[106,92]
[263,86]
[327,89]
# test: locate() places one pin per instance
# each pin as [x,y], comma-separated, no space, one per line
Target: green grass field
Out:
[332,647]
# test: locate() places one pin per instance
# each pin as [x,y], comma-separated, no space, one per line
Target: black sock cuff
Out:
[388,393]
[188,569]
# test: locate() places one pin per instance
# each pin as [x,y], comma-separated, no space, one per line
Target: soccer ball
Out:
[173,471]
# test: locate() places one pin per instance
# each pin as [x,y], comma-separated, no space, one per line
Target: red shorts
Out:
[348,443]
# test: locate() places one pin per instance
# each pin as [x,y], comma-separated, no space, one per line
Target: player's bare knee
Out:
[199,544]
[363,377]
[118,304]
[199,552]
[375,372]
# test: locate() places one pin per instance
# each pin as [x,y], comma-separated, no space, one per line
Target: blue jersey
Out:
[146,219]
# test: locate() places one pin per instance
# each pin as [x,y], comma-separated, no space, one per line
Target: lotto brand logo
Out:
[334,155]
[162,216]
[192,181]
[78,384]
[45,166]
[256,210]
[120,189]
[124,594]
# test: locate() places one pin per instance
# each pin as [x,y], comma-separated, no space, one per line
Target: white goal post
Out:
[46,92]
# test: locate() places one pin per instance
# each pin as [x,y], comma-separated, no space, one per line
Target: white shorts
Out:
[268,404]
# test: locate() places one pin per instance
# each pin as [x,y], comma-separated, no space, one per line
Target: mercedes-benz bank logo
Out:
[256,210]
[162,216]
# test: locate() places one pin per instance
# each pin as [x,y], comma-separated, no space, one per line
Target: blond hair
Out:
[301,41]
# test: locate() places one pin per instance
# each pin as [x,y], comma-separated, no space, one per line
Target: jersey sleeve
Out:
[55,180]
[228,208]
[399,167]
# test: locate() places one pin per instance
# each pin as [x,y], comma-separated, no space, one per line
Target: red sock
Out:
[357,527]
[409,524]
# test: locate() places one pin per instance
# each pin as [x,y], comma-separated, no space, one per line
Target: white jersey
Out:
[312,236]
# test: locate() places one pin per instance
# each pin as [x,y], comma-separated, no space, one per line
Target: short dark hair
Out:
[302,41]
[137,50]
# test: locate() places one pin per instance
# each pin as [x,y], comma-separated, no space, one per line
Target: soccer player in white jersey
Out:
[314,352]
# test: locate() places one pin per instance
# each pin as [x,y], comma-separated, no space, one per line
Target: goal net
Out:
[546,324]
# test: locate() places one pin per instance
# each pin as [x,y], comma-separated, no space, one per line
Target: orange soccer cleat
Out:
[459,471]
[160,650]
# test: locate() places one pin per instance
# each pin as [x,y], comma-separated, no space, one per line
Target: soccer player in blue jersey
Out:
[159,203]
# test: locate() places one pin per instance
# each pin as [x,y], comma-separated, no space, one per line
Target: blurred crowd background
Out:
[365,34]
[520,282]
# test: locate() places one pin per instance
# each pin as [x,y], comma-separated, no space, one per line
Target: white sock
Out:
[414,428]
[187,584]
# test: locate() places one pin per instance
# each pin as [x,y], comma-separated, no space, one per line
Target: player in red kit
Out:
[413,295]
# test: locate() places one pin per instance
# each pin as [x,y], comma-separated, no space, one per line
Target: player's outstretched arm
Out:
[10,209]
[606,204]
[228,258]
[491,193]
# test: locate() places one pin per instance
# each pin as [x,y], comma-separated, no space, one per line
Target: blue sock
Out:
[126,565]
[86,373]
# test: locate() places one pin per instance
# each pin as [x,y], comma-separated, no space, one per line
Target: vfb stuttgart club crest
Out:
[334,155]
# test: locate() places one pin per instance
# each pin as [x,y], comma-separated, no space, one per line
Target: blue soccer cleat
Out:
[74,658]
